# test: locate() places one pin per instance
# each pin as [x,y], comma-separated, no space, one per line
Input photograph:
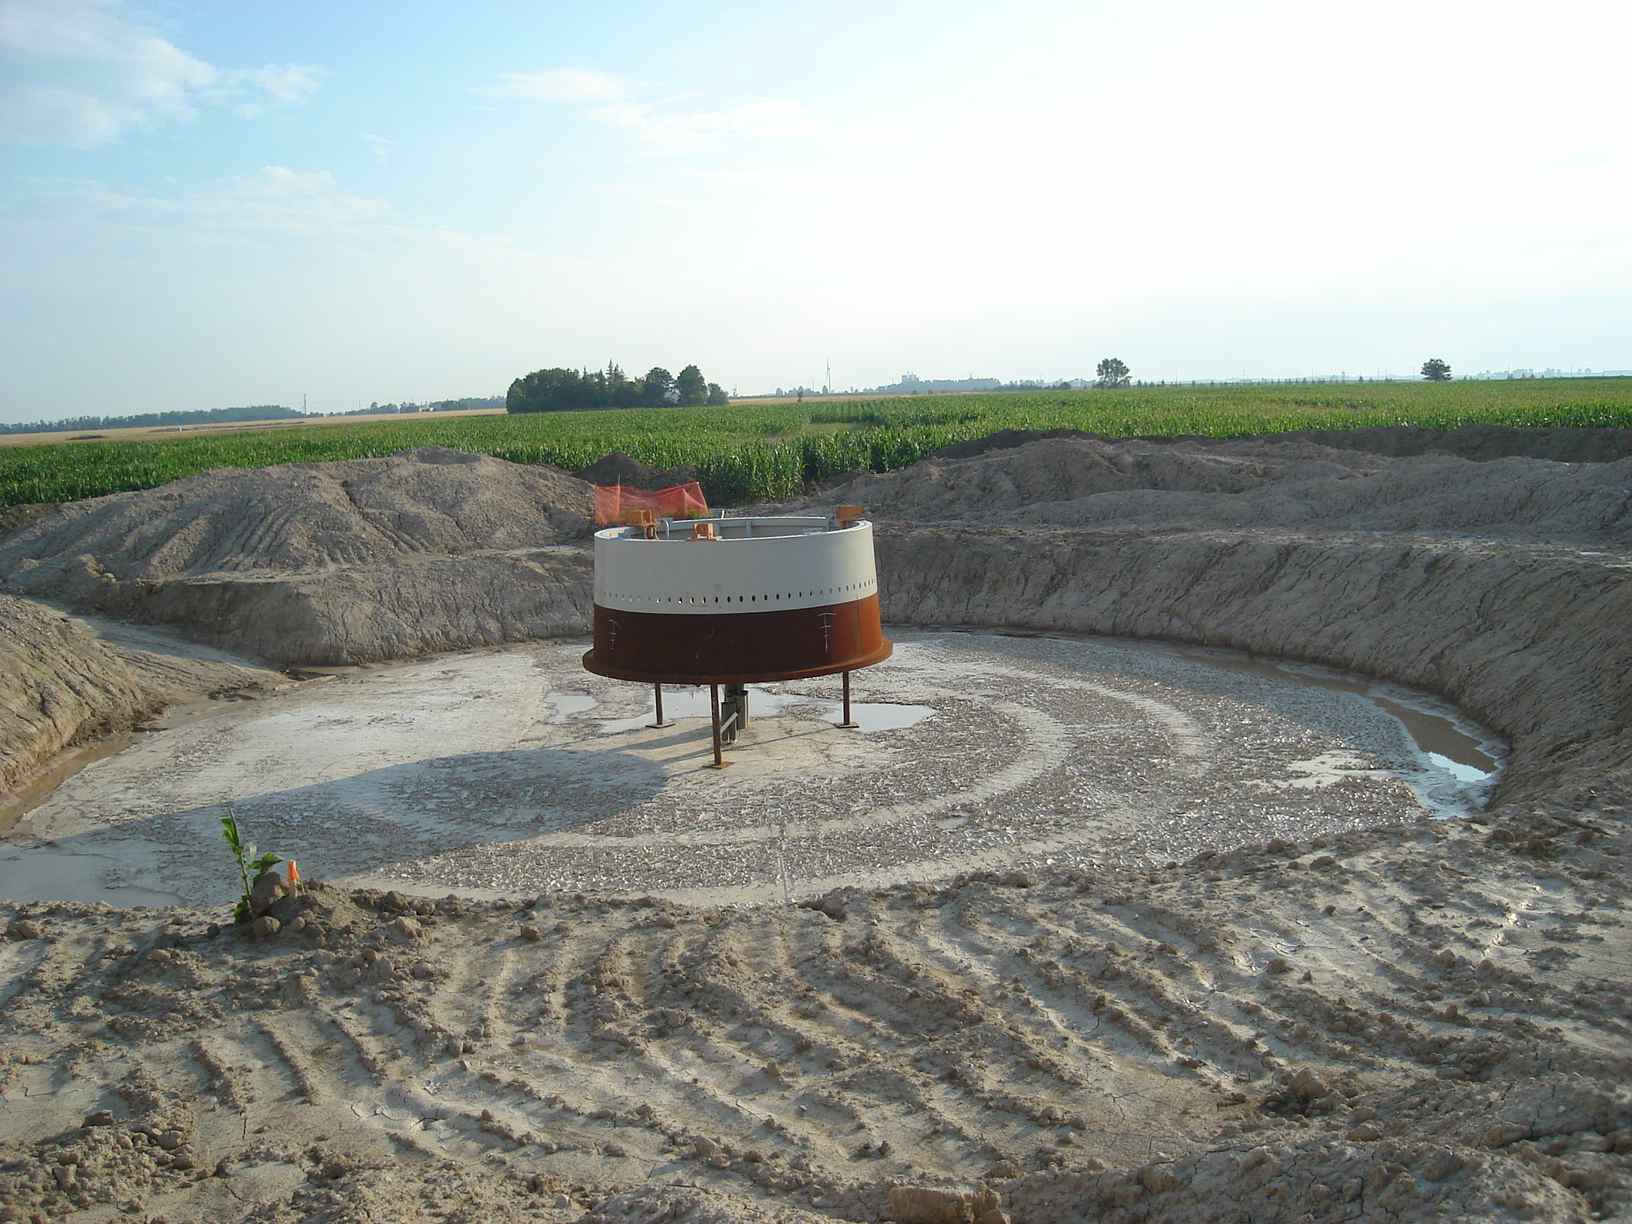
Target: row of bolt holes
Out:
[703,599]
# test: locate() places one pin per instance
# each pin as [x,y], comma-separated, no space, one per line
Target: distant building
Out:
[911,384]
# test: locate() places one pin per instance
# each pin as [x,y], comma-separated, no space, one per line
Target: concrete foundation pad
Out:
[515,772]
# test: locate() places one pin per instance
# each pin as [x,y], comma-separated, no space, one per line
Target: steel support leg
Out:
[847,724]
[714,704]
[657,690]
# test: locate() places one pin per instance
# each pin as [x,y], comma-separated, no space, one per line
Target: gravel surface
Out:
[495,772]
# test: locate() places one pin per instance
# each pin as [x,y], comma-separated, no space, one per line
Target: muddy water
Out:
[1457,760]
[42,785]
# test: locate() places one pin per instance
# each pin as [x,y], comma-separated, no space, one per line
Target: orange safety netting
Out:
[618,506]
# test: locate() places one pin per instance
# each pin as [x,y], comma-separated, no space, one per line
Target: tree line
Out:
[189,416]
[562,390]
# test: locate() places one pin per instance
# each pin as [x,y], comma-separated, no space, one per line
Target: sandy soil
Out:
[1423,1020]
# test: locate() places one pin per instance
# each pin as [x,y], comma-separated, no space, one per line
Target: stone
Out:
[266,926]
[265,892]
[1308,1086]
[531,933]
[24,929]
[170,1140]
[1279,964]
[406,930]
[102,1117]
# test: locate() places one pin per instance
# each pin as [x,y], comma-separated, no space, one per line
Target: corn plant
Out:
[250,865]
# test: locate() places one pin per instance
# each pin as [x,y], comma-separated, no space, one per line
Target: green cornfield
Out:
[752,452]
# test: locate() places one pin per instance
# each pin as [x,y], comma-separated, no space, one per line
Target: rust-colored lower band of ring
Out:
[740,648]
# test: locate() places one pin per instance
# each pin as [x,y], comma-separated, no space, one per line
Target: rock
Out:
[422,971]
[266,926]
[170,1140]
[1157,1179]
[1308,1086]
[1366,1132]
[182,1160]
[24,929]
[531,933]
[831,904]
[1445,958]
[1019,879]
[265,892]
[381,969]
[1278,964]
[406,930]
[926,1205]
[102,1117]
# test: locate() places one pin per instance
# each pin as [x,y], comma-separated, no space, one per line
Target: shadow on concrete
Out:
[364,822]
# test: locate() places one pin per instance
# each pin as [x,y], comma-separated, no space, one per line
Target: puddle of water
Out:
[880,715]
[569,704]
[1456,764]
[1459,771]
[49,874]
[39,788]
[689,702]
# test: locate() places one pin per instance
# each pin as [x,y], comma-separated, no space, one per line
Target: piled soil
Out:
[1411,1023]
[620,469]
[65,681]
[326,563]
[1565,444]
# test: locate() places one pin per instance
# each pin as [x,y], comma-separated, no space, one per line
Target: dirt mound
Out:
[1076,481]
[618,468]
[59,686]
[326,563]
[1479,442]
[65,681]
[303,517]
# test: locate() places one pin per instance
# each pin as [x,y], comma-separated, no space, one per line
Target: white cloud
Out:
[81,73]
[558,85]
[677,131]
[381,145]
[659,126]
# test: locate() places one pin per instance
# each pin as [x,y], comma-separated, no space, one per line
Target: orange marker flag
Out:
[294,873]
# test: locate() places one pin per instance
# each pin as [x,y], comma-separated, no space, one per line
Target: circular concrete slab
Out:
[516,772]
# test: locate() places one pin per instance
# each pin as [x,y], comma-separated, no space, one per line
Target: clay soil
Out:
[1426,1021]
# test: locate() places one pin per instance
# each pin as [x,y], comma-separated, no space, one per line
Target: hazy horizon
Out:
[211,205]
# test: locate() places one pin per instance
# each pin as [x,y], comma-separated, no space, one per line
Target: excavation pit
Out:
[513,772]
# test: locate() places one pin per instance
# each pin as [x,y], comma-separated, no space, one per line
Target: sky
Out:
[204,205]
